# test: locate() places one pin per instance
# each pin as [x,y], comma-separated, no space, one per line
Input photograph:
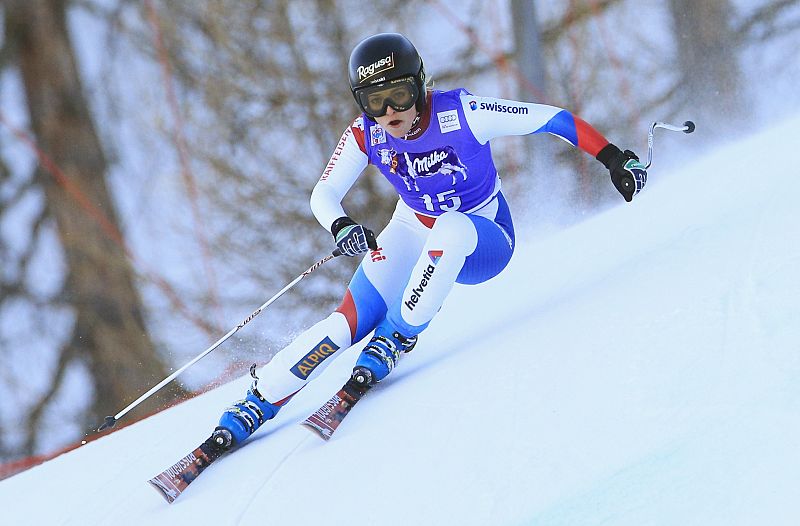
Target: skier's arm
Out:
[346,164]
[489,118]
[343,169]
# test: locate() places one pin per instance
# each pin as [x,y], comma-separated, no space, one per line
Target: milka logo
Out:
[424,164]
[411,168]
[365,72]
[502,108]
[417,291]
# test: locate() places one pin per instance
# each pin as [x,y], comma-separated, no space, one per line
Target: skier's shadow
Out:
[401,374]
[446,349]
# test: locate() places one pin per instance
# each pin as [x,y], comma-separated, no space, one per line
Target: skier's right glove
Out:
[351,238]
[627,173]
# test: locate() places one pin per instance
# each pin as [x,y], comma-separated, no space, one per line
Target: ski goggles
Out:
[400,94]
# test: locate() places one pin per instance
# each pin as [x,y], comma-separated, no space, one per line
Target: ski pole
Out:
[688,127]
[110,421]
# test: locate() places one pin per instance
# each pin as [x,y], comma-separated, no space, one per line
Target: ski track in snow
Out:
[253,499]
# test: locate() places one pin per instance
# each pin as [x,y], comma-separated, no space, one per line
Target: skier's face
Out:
[397,123]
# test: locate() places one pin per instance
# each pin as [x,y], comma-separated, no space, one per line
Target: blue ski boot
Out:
[381,354]
[242,419]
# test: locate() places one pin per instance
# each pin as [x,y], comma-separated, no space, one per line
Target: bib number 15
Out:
[444,201]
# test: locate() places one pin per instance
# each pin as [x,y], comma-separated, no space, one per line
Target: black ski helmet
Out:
[384,57]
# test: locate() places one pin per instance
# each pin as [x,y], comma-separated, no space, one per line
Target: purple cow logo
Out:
[412,166]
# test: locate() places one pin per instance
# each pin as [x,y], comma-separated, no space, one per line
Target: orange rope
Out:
[183,156]
[71,188]
[498,58]
[616,63]
[107,226]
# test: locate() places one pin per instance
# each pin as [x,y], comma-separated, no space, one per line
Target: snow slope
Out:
[640,368]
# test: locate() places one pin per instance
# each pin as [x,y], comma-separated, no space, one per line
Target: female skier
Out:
[451,224]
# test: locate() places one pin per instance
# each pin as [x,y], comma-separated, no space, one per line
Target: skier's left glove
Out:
[351,238]
[627,173]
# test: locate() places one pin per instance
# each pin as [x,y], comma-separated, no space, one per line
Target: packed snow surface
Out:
[642,367]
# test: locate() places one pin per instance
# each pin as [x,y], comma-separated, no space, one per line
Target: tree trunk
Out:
[707,54]
[109,331]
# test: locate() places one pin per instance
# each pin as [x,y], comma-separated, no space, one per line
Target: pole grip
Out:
[688,127]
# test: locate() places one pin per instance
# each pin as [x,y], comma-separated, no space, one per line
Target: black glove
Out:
[351,238]
[627,173]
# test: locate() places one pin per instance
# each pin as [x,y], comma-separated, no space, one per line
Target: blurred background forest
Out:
[156,159]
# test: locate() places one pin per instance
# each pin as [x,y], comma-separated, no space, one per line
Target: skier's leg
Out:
[452,238]
[363,306]
[283,377]
[460,248]
[496,242]
[380,278]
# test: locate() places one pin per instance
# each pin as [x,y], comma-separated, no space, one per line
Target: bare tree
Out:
[707,52]
[262,91]
[264,94]
[108,336]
